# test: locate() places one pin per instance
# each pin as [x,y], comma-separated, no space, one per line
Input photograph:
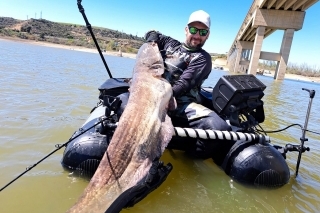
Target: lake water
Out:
[47,93]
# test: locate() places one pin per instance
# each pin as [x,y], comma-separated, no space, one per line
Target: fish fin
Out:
[172,105]
[166,133]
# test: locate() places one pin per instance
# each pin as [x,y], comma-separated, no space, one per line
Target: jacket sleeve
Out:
[197,71]
[166,41]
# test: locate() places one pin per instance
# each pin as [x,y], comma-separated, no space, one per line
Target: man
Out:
[187,66]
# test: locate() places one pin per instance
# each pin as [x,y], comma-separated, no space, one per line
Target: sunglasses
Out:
[194,30]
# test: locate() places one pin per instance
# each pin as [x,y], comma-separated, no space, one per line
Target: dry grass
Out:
[294,68]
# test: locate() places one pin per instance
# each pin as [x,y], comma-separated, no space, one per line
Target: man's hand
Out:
[152,36]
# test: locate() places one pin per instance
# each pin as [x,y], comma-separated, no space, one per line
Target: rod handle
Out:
[311,92]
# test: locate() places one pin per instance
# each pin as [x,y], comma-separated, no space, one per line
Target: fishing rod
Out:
[58,147]
[303,138]
[81,10]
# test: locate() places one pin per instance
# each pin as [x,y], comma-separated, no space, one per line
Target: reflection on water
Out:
[47,93]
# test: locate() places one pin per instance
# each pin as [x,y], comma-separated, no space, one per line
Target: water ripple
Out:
[46,95]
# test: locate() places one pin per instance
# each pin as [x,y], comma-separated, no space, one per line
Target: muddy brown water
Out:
[47,93]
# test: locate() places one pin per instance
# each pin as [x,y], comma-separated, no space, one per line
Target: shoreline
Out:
[270,73]
[75,48]
[296,77]
[217,62]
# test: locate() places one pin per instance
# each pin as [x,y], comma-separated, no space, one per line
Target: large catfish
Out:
[143,132]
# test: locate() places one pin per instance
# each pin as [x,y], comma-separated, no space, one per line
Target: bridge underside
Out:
[264,18]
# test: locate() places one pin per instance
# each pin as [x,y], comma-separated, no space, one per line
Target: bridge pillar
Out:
[254,62]
[284,54]
[239,60]
[238,57]
[263,18]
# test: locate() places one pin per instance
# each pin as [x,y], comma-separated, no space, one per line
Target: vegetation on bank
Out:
[69,34]
[297,69]
[215,56]
[108,40]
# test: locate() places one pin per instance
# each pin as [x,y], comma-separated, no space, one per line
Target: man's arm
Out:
[163,41]
[197,71]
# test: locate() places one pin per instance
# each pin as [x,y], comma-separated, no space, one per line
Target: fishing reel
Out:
[112,95]
[111,103]
[110,119]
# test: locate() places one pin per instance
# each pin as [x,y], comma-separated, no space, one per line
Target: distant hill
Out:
[68,34]
[73,35]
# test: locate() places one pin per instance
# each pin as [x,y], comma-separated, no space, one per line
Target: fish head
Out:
[149,57]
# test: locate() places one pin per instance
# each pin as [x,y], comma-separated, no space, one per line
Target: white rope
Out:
[216,134]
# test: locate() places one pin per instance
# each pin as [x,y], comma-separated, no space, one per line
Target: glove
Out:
[152,35]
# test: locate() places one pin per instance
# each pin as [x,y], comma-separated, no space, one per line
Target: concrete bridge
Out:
[263,18]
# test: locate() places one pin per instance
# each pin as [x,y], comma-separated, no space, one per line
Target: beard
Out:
[191,44]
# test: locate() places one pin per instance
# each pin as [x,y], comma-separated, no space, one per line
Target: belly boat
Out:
[249,157]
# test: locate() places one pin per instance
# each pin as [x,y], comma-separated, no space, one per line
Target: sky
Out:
[170,18]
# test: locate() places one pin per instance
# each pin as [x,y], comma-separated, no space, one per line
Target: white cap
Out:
[200,16]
